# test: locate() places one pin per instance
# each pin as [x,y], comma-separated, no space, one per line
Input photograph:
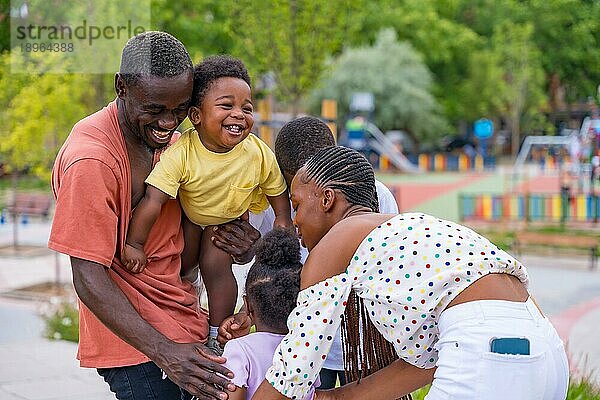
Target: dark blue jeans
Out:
[329,378]
[141,382]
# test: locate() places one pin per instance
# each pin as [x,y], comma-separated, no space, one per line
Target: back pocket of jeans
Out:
[514,377]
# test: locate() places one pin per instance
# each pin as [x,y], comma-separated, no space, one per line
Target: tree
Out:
[522,92]
[203,26]
[38,112]
[567,33]
[399,80]
[432,28]
[292,39]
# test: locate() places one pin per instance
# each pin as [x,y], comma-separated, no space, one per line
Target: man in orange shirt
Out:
[132,326]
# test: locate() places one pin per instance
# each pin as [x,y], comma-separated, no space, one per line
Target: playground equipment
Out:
[530,141]
[384,147]
[573,164]
[362,135]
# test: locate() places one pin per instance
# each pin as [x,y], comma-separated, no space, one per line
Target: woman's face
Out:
[310,218]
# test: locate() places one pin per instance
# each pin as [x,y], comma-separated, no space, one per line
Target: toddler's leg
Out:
[192,235]
[221,286]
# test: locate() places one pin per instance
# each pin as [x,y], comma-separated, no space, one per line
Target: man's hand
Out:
[189,365]
[196,369]
[235,326]
[236,238]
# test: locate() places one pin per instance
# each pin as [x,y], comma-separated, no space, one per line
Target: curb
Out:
[567,319]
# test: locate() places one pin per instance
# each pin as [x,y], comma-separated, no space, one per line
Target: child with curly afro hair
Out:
[272,287]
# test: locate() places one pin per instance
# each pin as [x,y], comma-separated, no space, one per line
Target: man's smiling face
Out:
[154,106]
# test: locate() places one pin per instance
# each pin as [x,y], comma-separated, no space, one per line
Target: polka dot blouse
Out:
[407,271]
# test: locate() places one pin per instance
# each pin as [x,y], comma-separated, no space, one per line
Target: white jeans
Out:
[466,369]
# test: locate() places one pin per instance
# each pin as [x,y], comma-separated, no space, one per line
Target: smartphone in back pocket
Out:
[510,346]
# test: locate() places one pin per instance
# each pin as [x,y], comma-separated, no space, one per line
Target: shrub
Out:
[62,321]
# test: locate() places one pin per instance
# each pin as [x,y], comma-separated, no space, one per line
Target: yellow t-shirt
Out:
[214,188]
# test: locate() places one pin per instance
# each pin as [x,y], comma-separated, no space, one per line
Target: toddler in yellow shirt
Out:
[219,171]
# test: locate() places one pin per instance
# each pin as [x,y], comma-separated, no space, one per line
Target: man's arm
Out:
[189,365]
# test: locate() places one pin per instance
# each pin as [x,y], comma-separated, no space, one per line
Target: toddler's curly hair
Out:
[273,281]
[213,68]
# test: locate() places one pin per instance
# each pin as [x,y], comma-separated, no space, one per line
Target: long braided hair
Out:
[346,170]
[365,349]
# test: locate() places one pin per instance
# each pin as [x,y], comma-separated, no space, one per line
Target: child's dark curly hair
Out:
[213,68]
[273,281]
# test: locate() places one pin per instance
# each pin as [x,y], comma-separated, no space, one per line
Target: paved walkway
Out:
[32,367]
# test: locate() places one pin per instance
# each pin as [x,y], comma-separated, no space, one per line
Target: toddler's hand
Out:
[282,222]
[235,326]
[133,258]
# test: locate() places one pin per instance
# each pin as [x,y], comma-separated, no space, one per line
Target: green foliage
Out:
[38,112]
[62,322]
[582,390]
[505,79]
[420,393]
[432,28]
[291,39]
[203,26]
[566,32]
[471,47]
[24,184]
[484,58]
[4,25]
[399,80]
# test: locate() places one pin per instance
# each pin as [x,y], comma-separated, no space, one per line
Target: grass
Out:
[504,238]
[580,390]
[421,393]
[25,183]
[583,390]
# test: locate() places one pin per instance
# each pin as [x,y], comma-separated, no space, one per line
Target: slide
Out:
[383,146]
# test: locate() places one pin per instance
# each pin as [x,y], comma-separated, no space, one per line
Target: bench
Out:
[34,204]
[557,240]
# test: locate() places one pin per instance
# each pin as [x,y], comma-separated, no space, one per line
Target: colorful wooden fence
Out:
[452,162]
[529,207]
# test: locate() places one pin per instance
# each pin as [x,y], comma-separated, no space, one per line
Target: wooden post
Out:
[478,163]
[264,130]
[329,114]
[384,163]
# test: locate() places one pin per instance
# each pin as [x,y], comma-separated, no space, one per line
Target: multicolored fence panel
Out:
[529,207]
[451,162]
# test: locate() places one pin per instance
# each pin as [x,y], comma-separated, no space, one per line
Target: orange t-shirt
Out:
[91,180]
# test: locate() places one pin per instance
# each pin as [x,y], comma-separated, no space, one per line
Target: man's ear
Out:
[120,87]
[194,115]
[328,198]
